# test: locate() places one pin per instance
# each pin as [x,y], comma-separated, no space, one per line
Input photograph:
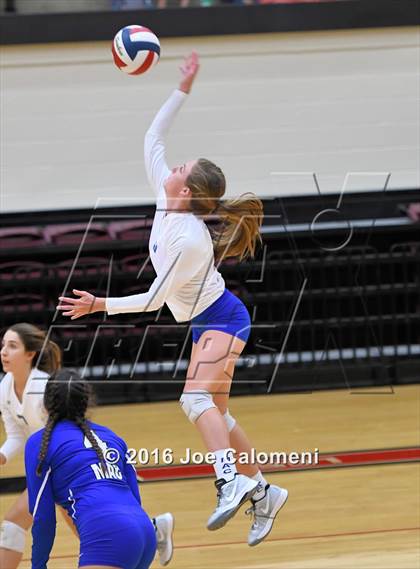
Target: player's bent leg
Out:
[13,532]
[210,374]
[196,402]
[268,499]
[237,437]
[214,356]
[206,375]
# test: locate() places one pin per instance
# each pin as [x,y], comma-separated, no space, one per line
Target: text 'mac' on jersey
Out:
[92,494]
[77,477]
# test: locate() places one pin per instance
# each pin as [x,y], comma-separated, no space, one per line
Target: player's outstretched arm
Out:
[154,141]
[182,258]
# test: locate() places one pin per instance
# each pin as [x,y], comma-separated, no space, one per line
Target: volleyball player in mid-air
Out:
[183,254]
[28,358]
[67,463]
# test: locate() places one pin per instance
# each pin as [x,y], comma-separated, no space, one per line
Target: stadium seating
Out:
[12,237]
[310,305]
[75,233]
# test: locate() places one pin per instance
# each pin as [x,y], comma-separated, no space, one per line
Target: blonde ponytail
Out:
[241,218]
[239,232]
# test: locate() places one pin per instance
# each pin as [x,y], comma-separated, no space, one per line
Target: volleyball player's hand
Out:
[189,70]
[76,307]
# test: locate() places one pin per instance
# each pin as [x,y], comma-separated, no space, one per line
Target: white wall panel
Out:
[324,102]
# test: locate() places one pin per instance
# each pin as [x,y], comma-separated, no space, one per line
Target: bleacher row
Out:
[310,306]
[73,233]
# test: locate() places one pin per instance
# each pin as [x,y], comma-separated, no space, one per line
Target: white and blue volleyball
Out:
[136,49]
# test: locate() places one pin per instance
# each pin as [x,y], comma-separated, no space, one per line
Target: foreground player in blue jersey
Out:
[65,464]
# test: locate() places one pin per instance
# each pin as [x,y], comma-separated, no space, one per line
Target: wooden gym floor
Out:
[366,517]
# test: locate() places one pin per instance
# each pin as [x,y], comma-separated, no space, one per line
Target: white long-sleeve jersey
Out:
[180,244]
[21,419]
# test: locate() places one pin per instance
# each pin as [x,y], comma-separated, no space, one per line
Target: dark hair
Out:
[67,396]
[47,354]
[240,218]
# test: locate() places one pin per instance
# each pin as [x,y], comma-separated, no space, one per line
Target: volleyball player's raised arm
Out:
[154,140]
[41,505]
[181,258]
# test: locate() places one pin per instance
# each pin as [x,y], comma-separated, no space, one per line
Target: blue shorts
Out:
[123,537]
[227,314]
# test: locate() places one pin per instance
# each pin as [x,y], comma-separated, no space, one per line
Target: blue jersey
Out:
[73,477]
